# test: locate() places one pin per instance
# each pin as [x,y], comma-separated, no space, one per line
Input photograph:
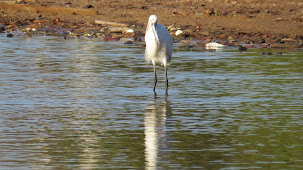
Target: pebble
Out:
[9,35]
[178,32]
[2,29]
[268,53]
[129,42]
[89,6]
[111,39]
[242,48]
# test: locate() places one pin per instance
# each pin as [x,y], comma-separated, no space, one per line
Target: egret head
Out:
[153,19]
[152,23]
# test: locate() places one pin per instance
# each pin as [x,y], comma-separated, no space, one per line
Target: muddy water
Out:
[88,104]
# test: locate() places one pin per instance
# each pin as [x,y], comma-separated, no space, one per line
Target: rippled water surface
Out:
[88,104]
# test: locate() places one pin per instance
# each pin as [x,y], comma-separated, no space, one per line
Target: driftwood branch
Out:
[110,23]
[115,29]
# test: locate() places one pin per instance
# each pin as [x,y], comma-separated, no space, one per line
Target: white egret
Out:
[159,46]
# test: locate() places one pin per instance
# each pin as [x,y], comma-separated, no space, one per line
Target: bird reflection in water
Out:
[156,132]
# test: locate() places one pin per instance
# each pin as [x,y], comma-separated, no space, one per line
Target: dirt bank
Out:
[275,22]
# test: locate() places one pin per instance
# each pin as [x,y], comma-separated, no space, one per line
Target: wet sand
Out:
[275,23]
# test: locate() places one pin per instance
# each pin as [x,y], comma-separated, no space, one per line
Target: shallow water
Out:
[88,104]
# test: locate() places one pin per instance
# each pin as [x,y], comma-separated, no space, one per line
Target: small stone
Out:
[129,42]
[208,40]
[67,3]
[222,37]
[230,38]
[242,48]
[89,6]
[9,35]
[19,1]
[190,46]
[204,33]
[2,29]
[178,32]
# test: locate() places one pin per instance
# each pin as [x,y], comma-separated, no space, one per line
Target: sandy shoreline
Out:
[272,23]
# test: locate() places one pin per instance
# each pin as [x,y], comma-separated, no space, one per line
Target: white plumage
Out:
[159,46]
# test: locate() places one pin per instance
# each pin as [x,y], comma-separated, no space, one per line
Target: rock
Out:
[10,26]
[178,32]
[9,35]
[2,29]
[266,45]
[190,46]
[213,46]
[207,40]
[67,3]
[129,42]
[210,12]
[230,38]
[262,40]
[204,33]
[266,35]
[89,6]
[242,48]
[130,31]
[19,1]
[111,39]
[222,36]
[184,41]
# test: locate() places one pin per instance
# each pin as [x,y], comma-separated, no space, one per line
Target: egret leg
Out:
[155,80]
[166,79]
